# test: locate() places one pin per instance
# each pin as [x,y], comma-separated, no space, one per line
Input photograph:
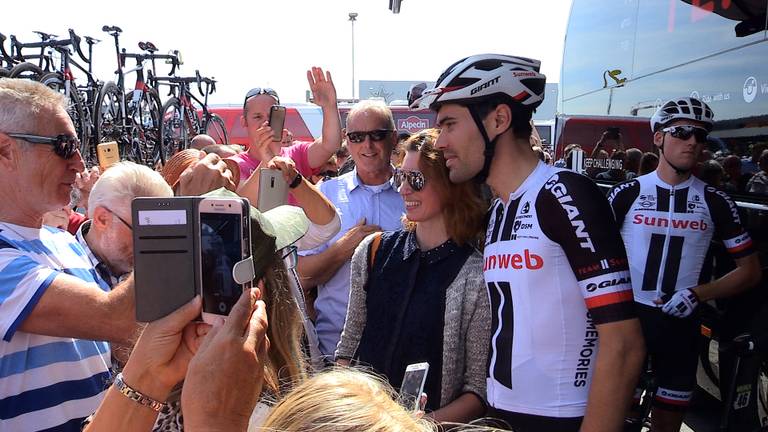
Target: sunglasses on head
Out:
[63,145]
[415,179]
[685,132]
[260,91]
[376,135]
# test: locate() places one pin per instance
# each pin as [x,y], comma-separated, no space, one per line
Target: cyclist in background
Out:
[668,218]
[555,267]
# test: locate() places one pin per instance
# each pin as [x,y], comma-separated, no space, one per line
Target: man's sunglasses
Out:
[376,135]
[63,145]
[260,91]
[685,132]
[415,179]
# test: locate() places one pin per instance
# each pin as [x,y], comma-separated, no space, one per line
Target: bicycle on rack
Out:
[63,80]
[181,119]
[131,118]
[23,67]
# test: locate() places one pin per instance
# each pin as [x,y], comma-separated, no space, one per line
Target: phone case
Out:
[108,154]
[277,121]
[273,190]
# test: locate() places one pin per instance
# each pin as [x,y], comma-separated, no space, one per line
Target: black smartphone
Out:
[612,133]
[277,121]
[224,241]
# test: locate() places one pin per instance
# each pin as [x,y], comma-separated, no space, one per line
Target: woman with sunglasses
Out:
[417,294]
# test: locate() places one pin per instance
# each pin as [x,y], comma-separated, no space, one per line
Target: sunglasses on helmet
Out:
[260,91]
[685,132]
[376,135]
[64,146]
[415,179]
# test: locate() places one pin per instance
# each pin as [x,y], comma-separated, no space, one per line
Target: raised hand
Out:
[321,85]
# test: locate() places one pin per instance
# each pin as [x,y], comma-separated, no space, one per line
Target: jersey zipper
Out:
[667,239]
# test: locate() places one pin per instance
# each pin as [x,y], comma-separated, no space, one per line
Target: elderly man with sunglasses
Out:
[366,202]
[668,218]
[308,156]
[55,320]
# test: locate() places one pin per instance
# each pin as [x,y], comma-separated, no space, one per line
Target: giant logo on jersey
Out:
[592,287]
[526,260]
[561,193]
[731,204]
[663,222]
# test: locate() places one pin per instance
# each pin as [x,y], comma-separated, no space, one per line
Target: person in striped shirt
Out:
[55,320]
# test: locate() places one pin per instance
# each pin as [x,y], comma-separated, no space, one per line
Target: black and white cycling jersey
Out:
[555,268]
[667,231]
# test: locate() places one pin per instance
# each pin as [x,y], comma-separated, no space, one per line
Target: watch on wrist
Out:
[296,181]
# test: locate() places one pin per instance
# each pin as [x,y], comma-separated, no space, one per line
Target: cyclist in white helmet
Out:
[555,267]
[668,219]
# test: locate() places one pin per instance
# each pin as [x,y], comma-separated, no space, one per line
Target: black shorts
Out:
[519,422]
[672,345]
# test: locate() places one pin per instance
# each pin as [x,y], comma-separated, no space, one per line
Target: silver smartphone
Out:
[224,241]
[273,190]
[413,386]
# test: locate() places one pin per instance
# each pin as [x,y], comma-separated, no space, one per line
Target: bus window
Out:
[670,32]
[598,41]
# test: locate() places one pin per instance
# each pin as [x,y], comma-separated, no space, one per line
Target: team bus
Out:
[622,59]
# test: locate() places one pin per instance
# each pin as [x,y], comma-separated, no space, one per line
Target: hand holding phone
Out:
[277,121]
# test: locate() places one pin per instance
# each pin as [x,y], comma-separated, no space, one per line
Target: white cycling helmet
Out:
[682,109]
[477,77]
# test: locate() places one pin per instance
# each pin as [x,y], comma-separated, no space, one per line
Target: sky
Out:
[271,44]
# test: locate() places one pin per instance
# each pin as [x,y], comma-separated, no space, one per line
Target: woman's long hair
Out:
[286,365]
[463,206]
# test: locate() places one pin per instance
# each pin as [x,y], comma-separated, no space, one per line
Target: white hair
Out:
[22,102]
[124,181]
[373,106]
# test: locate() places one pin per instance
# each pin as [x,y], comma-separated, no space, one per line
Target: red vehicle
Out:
[305,121]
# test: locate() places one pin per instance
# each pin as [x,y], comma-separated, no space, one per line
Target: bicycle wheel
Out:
[75,108]
[27,71]
[4,73]
[108,117]
[215,127]
[175,130]
[144,113]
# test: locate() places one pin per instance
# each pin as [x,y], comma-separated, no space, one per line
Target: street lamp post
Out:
[352,19]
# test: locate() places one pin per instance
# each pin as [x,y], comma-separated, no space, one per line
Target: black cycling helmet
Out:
[475,79]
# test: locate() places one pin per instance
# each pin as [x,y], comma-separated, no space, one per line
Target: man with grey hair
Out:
[53,369]
[367,202]
[108,237]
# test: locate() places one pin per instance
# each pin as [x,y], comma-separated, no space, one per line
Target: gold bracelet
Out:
[137,396]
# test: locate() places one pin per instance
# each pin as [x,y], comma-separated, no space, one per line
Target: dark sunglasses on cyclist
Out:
[415,179]
[63,145]
[376,135]
[685,132]
[260,91]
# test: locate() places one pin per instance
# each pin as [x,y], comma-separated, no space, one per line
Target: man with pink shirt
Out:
[308,156]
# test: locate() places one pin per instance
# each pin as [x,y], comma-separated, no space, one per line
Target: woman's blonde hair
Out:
[463,206]
[343,400]
[286,365]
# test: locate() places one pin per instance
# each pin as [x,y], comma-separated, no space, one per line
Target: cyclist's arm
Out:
[324,147]
[744,276]
[728,228]
[617,369]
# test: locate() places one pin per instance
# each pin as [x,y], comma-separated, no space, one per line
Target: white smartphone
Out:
[224,241]
[273,189]
[413,386]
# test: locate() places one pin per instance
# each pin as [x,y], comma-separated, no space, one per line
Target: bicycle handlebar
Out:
[45,36]
[76,43]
